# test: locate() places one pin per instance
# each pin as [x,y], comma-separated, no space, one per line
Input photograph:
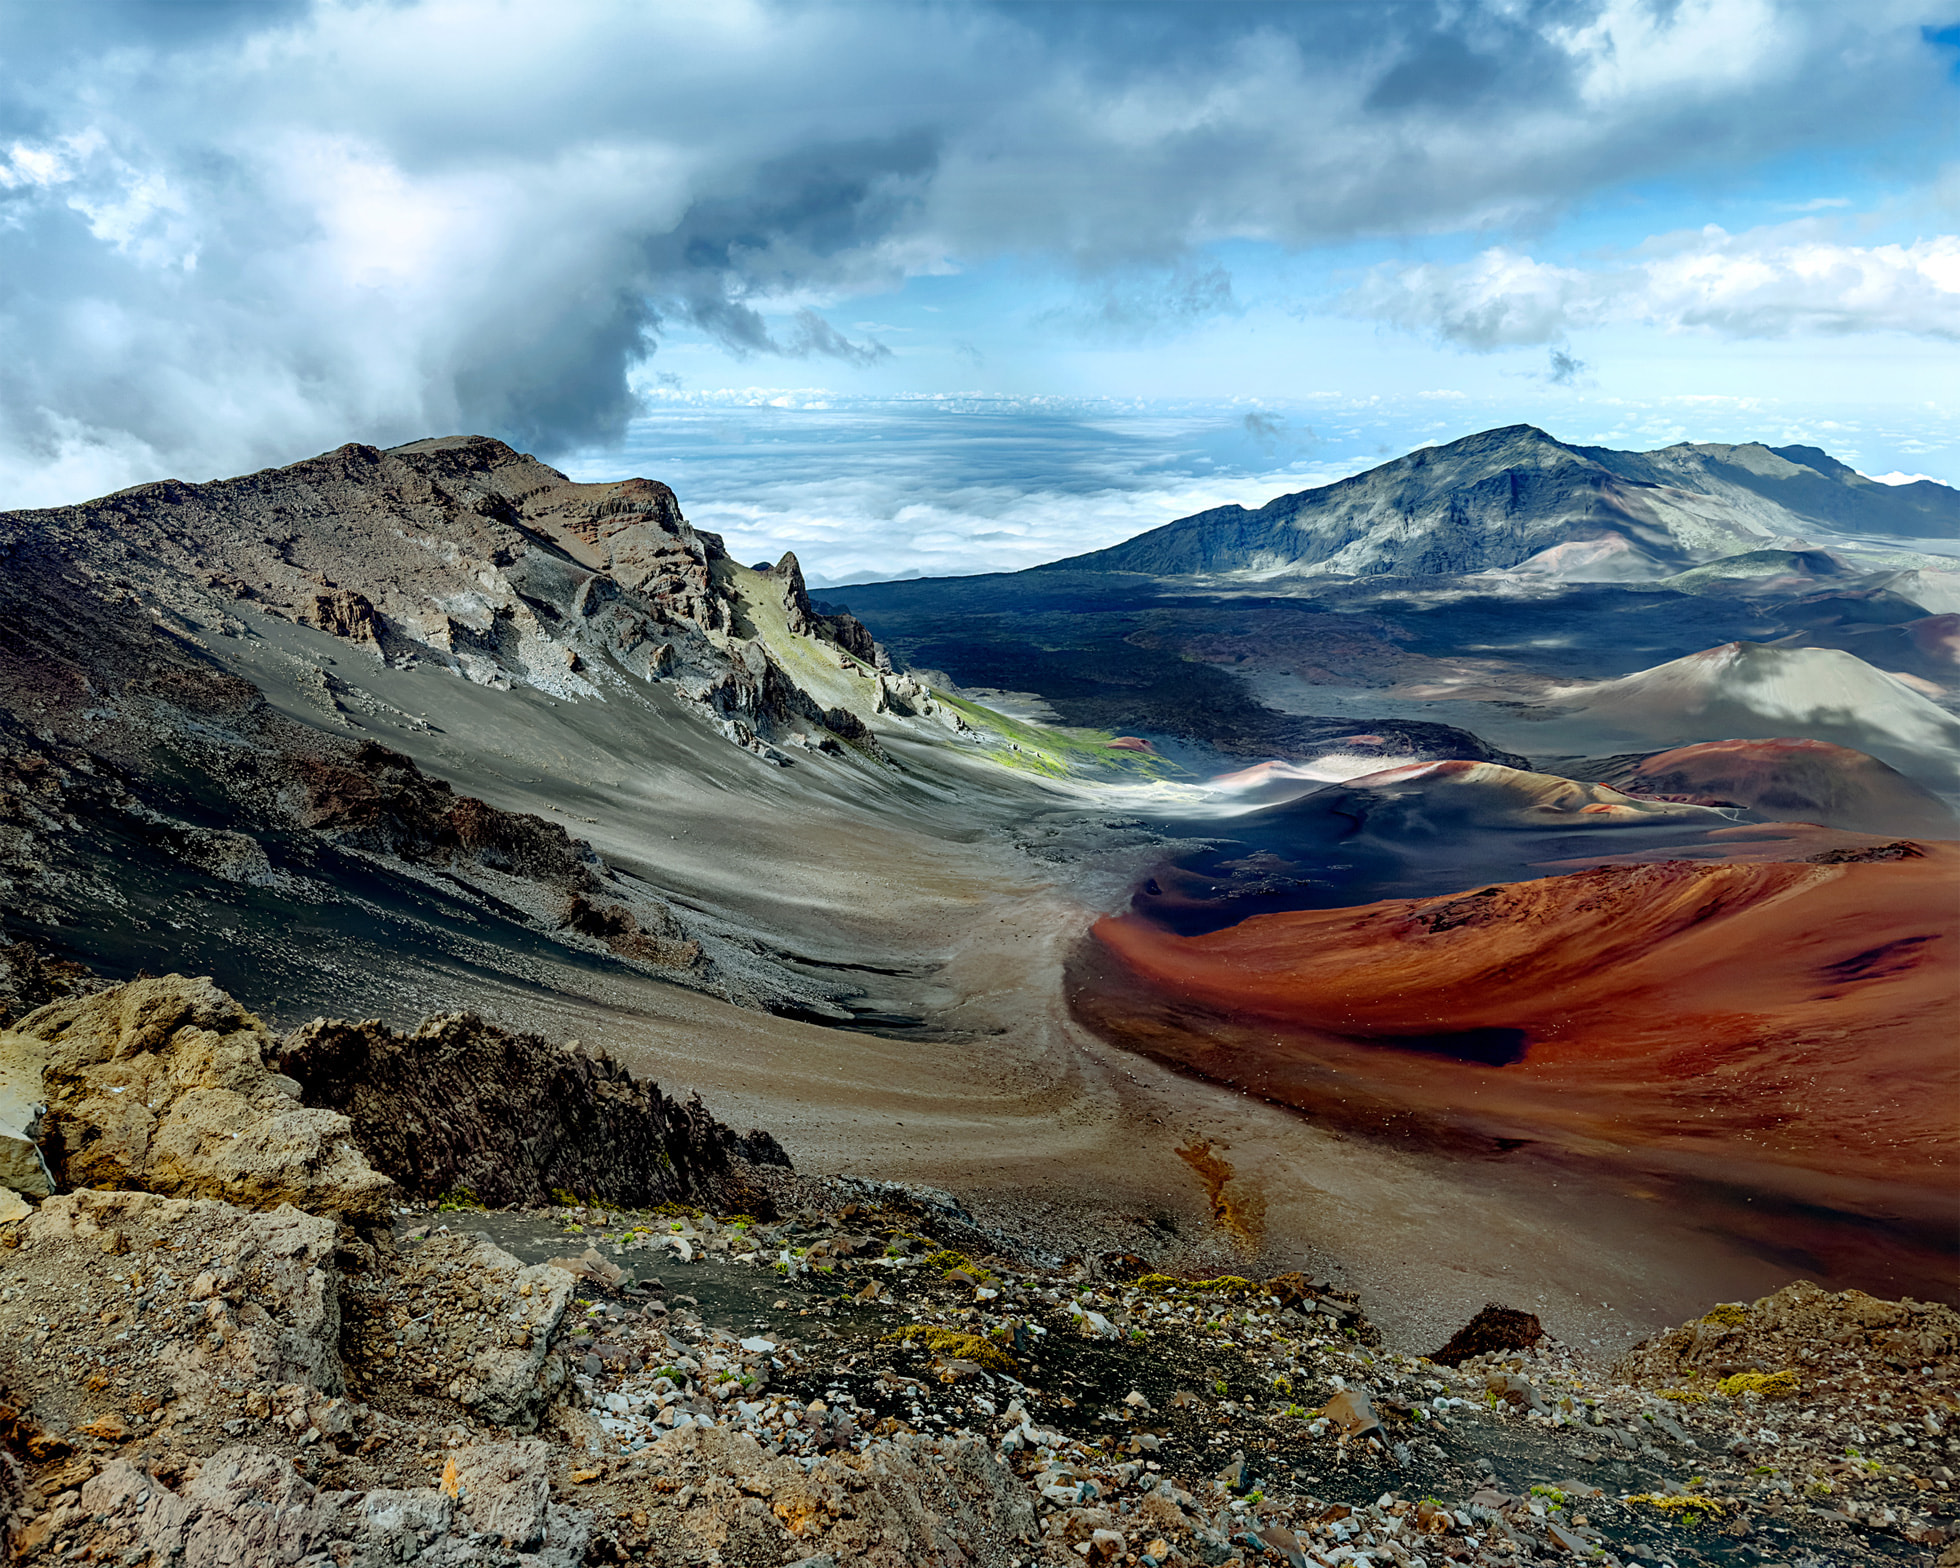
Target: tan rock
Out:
[22,1170]
[261,1309]
[247,1508]
[502,1368]
[1353,1412]
[887,1508]
[161,1085]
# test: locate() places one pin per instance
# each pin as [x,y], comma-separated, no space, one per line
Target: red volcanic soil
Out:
[1790,781]
[1127,743]
[1781,1026]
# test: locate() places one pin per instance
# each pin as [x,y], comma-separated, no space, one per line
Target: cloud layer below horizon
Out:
[866,489]
[232,235]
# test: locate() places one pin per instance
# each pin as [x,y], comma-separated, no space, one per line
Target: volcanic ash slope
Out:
[1772,1015]
[1786,781]
[1748,689]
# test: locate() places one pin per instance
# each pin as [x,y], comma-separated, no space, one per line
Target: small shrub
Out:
[948,1342]
[1682,1510]
[1769,1385]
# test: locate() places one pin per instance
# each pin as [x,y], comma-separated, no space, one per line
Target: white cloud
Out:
[1767,283]
[234,235]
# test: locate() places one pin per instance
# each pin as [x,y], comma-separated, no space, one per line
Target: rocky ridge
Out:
[458,552]
[1516,499]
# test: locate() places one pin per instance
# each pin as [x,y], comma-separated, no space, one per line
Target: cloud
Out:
[1141,303]
[231,234]
[1565,368]
[1768,283]
[885,487]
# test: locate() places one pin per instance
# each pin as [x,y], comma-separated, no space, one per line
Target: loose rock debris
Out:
[190,1382]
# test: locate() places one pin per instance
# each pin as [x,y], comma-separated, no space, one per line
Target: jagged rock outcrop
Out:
[246,1508]
[161,1085]
[806,620]
[461,1105]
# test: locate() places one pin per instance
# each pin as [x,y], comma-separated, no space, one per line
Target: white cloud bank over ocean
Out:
[864,489]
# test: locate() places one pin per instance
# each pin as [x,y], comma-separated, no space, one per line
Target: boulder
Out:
[1354,1413]
[22,1169]
[1516,1391]
[161,1085]
[891,1507]
[479,1326]
[1495,1328]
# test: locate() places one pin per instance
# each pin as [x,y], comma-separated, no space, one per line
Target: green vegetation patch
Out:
[949,1342]
[1769,1385]
[1058,753]
[1681,1510]
[1223,1285]
[946,1261]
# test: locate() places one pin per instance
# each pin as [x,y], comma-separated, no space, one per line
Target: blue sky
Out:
[1091,238]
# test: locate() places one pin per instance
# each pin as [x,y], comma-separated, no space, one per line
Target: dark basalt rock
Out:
[463,1106]
[1495,1328]
[29,979]
[379,800]
[1898,849]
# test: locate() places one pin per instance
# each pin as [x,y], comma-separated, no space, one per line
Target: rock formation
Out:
[162,1086]
[462,1106]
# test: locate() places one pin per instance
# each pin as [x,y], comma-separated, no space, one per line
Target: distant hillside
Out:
[1515,498]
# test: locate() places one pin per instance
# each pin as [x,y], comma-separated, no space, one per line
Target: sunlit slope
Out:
[1749,690]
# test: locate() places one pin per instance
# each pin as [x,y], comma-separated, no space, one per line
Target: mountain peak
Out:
[1517,497]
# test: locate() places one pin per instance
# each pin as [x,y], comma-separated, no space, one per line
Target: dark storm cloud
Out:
[232,233]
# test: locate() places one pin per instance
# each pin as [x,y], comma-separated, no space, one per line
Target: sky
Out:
[926,287]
